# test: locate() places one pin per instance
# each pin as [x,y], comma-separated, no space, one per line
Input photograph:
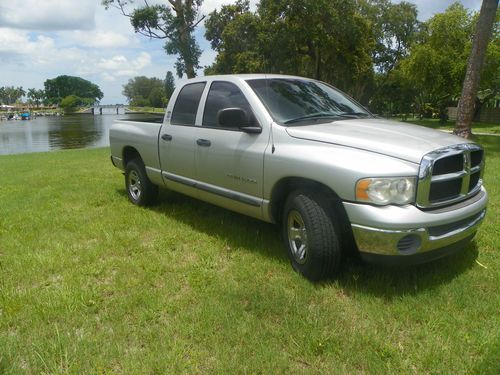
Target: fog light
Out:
[409,244]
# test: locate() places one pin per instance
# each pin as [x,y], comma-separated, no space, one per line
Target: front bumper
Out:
[407,234]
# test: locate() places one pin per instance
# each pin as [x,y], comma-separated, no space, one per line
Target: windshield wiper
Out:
[312,116]
[354,114]
[320,115]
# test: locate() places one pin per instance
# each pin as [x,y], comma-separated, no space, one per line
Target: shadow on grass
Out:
[238,231]
[355,276]
[490,143]
[393,282]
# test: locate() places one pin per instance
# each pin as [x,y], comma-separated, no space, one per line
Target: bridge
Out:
[117,109]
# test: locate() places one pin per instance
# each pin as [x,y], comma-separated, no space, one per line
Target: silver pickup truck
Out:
[300,153]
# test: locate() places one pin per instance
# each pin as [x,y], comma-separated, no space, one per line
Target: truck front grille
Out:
[450,175]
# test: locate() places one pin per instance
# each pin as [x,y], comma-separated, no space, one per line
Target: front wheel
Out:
[140,190]
[311,235]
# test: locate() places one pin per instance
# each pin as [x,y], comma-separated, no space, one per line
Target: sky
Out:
[42,39]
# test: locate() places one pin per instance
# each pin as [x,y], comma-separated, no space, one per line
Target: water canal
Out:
[57,133]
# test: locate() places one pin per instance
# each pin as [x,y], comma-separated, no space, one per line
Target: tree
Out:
[10,94]
[63,86]
[157,97]
[70,103]
[436,63]
[169,85]
[482,35]
[142,91]
[36,96]
[234,32]
[394,27]
[175,23]
[324,39]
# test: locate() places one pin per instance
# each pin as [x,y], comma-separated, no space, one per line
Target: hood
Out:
[397,139]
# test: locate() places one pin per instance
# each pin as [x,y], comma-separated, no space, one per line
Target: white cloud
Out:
[121,66]
[48,14]
[210,5]
[125,73]
[99,39]
[113,63]
[143,60]
[108,77]
[17,46]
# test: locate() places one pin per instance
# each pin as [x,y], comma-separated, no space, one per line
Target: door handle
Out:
[166,137]
[203,142]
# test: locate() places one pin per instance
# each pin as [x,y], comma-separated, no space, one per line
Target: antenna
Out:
[272,121]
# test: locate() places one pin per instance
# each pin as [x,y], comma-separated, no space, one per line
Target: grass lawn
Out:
[147,109]
[92,284]
[477,127]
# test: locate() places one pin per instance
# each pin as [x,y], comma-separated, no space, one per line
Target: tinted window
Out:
[224,95]
[297,101]
[187,103]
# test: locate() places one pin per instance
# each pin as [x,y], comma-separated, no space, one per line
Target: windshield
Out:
[297,101]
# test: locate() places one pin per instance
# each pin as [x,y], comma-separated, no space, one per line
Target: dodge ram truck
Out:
[299,153]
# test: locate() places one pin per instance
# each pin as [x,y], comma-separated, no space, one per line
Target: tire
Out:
[140,190]
[311,235]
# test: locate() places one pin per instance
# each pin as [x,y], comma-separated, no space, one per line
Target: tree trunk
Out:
[465,112]
[183,28]
[317,63]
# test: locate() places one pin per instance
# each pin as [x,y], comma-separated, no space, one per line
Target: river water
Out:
[58,133]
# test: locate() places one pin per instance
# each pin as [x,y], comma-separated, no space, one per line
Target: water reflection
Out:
[56,133]
[77,132]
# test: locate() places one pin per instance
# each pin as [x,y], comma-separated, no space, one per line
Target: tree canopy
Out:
[332,40]
[174,22]
[35,96]
[375,50]
[10,94]
[169,84]
[62,86]
[146,92]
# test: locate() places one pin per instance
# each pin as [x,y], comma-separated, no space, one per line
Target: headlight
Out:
[382,191]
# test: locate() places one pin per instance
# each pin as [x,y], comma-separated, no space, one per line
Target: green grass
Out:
[92,284]
[477,127]
[147,109]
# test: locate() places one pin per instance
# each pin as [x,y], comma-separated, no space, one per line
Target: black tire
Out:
[140,190]
[311,235]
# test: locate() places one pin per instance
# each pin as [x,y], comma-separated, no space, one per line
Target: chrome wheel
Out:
[134,185]
[297,236]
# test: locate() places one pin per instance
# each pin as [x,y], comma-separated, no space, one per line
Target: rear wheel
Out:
[311,235]
[140,190]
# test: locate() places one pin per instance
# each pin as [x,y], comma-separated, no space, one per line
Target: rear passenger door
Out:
[177,141]
[229,162]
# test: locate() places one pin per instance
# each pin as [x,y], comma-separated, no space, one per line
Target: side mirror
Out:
[232,118]
[251,129]
[237,118]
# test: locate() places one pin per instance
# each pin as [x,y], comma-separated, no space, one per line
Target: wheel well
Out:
[130,153]
[287,185]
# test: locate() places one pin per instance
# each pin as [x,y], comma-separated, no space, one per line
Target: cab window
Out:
[186,105]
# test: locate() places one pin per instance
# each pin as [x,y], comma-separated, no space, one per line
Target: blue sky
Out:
[41,39]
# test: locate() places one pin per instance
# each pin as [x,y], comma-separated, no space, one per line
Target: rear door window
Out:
[186,105]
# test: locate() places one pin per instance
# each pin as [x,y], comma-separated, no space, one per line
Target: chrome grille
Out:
[449,175]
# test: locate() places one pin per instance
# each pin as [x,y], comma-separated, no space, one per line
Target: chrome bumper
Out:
[407,231]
